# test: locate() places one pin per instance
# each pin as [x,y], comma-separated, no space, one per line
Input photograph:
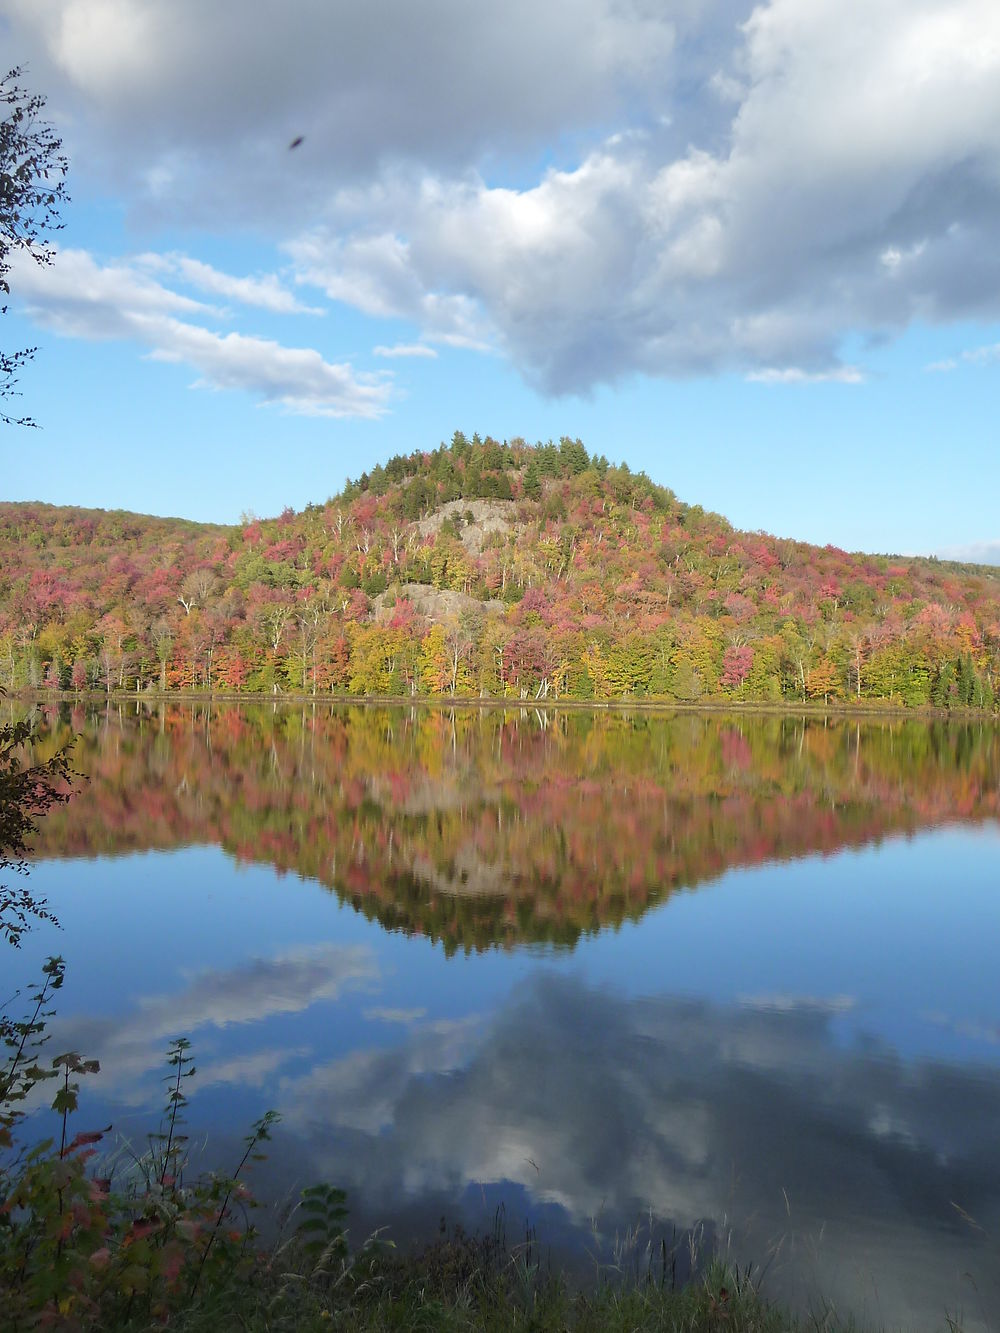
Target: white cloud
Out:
[856,187]
[405,349]
[978,553]
[977,356]
[194,108]
[983,356]
[79,298]
[726,186]
[376,275]
[796,375]
[78,283]
[296,377]
[255,1070]
[264,291]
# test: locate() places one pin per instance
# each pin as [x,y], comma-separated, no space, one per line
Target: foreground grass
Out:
[477,1282]
[460,1285]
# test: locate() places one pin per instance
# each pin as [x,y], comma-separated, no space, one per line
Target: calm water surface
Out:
[633,977]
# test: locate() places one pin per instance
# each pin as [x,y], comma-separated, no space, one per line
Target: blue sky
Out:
[752,251]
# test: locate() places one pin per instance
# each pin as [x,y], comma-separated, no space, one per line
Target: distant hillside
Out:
[487,569]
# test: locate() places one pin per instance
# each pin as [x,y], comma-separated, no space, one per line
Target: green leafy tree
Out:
[32,189]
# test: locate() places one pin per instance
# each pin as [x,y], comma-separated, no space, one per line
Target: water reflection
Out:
[845,1163]
[480,828]
[762,1125]
[799,1059]
[259,990]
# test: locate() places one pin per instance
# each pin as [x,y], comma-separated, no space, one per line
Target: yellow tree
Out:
[823,681]
[374,653]
[434,668]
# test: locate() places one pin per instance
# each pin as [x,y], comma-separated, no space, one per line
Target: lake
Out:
[729,983]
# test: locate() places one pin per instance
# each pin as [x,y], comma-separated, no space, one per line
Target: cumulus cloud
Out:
[296,377]
[194,108]
[362,1090]
[84,298]
[77,297]
[704,187]
[856,187]
[376,274]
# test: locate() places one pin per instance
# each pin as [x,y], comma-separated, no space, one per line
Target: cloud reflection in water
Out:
[846,1162]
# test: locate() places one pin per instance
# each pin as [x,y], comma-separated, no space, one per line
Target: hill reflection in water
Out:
[482,827]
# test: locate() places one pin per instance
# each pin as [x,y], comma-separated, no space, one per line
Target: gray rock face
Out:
[437,604]
[488,516]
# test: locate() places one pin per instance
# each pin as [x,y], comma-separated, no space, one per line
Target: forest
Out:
[483,569]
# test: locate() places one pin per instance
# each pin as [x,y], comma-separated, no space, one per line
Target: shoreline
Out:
[867,711]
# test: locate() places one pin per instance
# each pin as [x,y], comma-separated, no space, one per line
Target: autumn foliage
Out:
[487,570]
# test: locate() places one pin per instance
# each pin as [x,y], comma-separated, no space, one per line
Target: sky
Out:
[753,250]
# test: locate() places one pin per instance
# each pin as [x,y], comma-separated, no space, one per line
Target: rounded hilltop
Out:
[488,569]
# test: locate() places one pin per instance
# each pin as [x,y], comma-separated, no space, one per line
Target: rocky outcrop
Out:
[436,604]
[475,520]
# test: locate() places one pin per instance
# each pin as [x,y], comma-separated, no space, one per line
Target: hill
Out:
[487,569]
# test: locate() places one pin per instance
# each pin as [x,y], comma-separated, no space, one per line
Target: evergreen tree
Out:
[574,456]
[966,680]
[944,686]
[415,499]
[532,481]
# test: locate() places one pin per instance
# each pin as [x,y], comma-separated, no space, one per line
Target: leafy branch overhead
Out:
[27,790]
[32,190]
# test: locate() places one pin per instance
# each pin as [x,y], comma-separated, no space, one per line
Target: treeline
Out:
[487,569]
[485,828]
